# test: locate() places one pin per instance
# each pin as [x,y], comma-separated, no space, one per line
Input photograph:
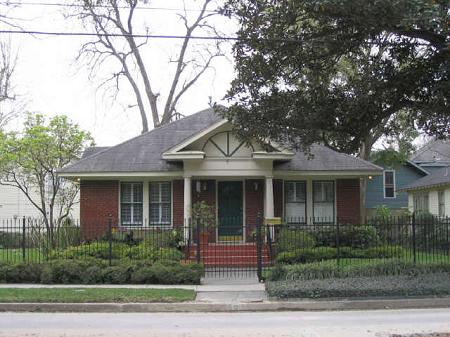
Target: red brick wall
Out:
[178,202]
[278,197]
[254,204]
[348,201]
[98,201]
[209,196]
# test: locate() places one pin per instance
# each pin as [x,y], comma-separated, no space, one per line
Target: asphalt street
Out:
[311,324]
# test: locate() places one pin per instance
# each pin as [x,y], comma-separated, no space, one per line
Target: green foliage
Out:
[389,158]
[309,255]
[100,250]
[357,236]
[29,160]
[399,285]
[205,213]
[307,69]
[329,269]
[291,240]
[20,273]
[94,271]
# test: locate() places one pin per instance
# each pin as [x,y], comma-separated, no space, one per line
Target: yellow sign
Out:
[273,221]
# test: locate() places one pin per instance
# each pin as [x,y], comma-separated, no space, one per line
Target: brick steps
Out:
[217,255]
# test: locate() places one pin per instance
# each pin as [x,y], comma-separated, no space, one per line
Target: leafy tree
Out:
[30,160]
[340,71]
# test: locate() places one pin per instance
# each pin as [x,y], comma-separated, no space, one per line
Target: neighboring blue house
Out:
[383,190]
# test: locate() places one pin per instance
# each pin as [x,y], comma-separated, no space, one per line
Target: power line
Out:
[55,4]
[149,36]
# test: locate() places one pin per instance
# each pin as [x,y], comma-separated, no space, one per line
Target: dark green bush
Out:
[356,236]
[95,271]
[400,285]
[20,273]
[120,274]
[290,240]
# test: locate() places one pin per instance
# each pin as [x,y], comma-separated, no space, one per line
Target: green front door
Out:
[230,199]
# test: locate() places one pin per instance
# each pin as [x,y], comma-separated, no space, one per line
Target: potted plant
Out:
[204,216]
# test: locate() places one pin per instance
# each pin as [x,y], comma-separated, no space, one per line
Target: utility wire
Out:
[149,36]
[55,4]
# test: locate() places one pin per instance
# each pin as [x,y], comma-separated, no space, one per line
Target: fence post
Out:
[110,240]
[259,247]
[23,240]
[338,244]
[197,234]
[414,237]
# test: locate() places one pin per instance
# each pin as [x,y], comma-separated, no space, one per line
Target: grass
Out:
[15,255]
[94,295]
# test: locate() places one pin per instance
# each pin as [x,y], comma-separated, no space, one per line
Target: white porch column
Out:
[269,209]
[187,204]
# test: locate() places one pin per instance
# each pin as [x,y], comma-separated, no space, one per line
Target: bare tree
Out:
[114,22]
[8,98]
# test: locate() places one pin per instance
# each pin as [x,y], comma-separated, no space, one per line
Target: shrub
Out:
[151,253]
[356,236]
[98,250]
[329,253]
[20,273]
[120,274]
[290,240]
[162,274]
[329,269]
[403,285]
[66,271]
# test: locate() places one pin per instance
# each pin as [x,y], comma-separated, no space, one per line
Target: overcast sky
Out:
[52,82]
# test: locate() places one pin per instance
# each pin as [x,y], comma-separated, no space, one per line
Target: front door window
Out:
[230,212]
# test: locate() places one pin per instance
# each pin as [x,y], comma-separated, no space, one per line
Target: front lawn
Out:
[14,255]
[94,295]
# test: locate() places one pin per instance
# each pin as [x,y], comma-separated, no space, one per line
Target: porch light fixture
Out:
[205,186]
[370,177]
[198,186]
[255,186]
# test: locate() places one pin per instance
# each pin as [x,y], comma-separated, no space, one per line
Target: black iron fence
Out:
[231,245]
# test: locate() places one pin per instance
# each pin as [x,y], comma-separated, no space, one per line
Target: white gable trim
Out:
[195,137]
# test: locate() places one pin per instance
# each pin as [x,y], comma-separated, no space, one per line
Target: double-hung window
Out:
[389,183]
[323,197]
[131,204]
[160,203]
[441,203]
[295,201]
[421,202]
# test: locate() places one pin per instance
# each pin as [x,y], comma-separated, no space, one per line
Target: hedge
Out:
[328,269]
[100,250]
[308,255]
[403,285]
[95,271]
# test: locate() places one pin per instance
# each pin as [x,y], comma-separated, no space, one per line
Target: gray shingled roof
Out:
[325,159]
[435,178]
[93,150]
[144,153]
[435,151]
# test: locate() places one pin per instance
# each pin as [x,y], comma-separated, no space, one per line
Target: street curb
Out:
[306,305]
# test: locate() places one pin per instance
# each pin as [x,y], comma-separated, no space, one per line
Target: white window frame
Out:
[333,217]
[132,223]
[304,182]
[160,203]
[393,184]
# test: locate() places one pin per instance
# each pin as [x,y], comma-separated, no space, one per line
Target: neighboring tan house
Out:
[385,191]
[14,204]
[431,193]
[154,179]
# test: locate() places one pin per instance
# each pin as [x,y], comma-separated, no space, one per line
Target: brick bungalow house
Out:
[154,179]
